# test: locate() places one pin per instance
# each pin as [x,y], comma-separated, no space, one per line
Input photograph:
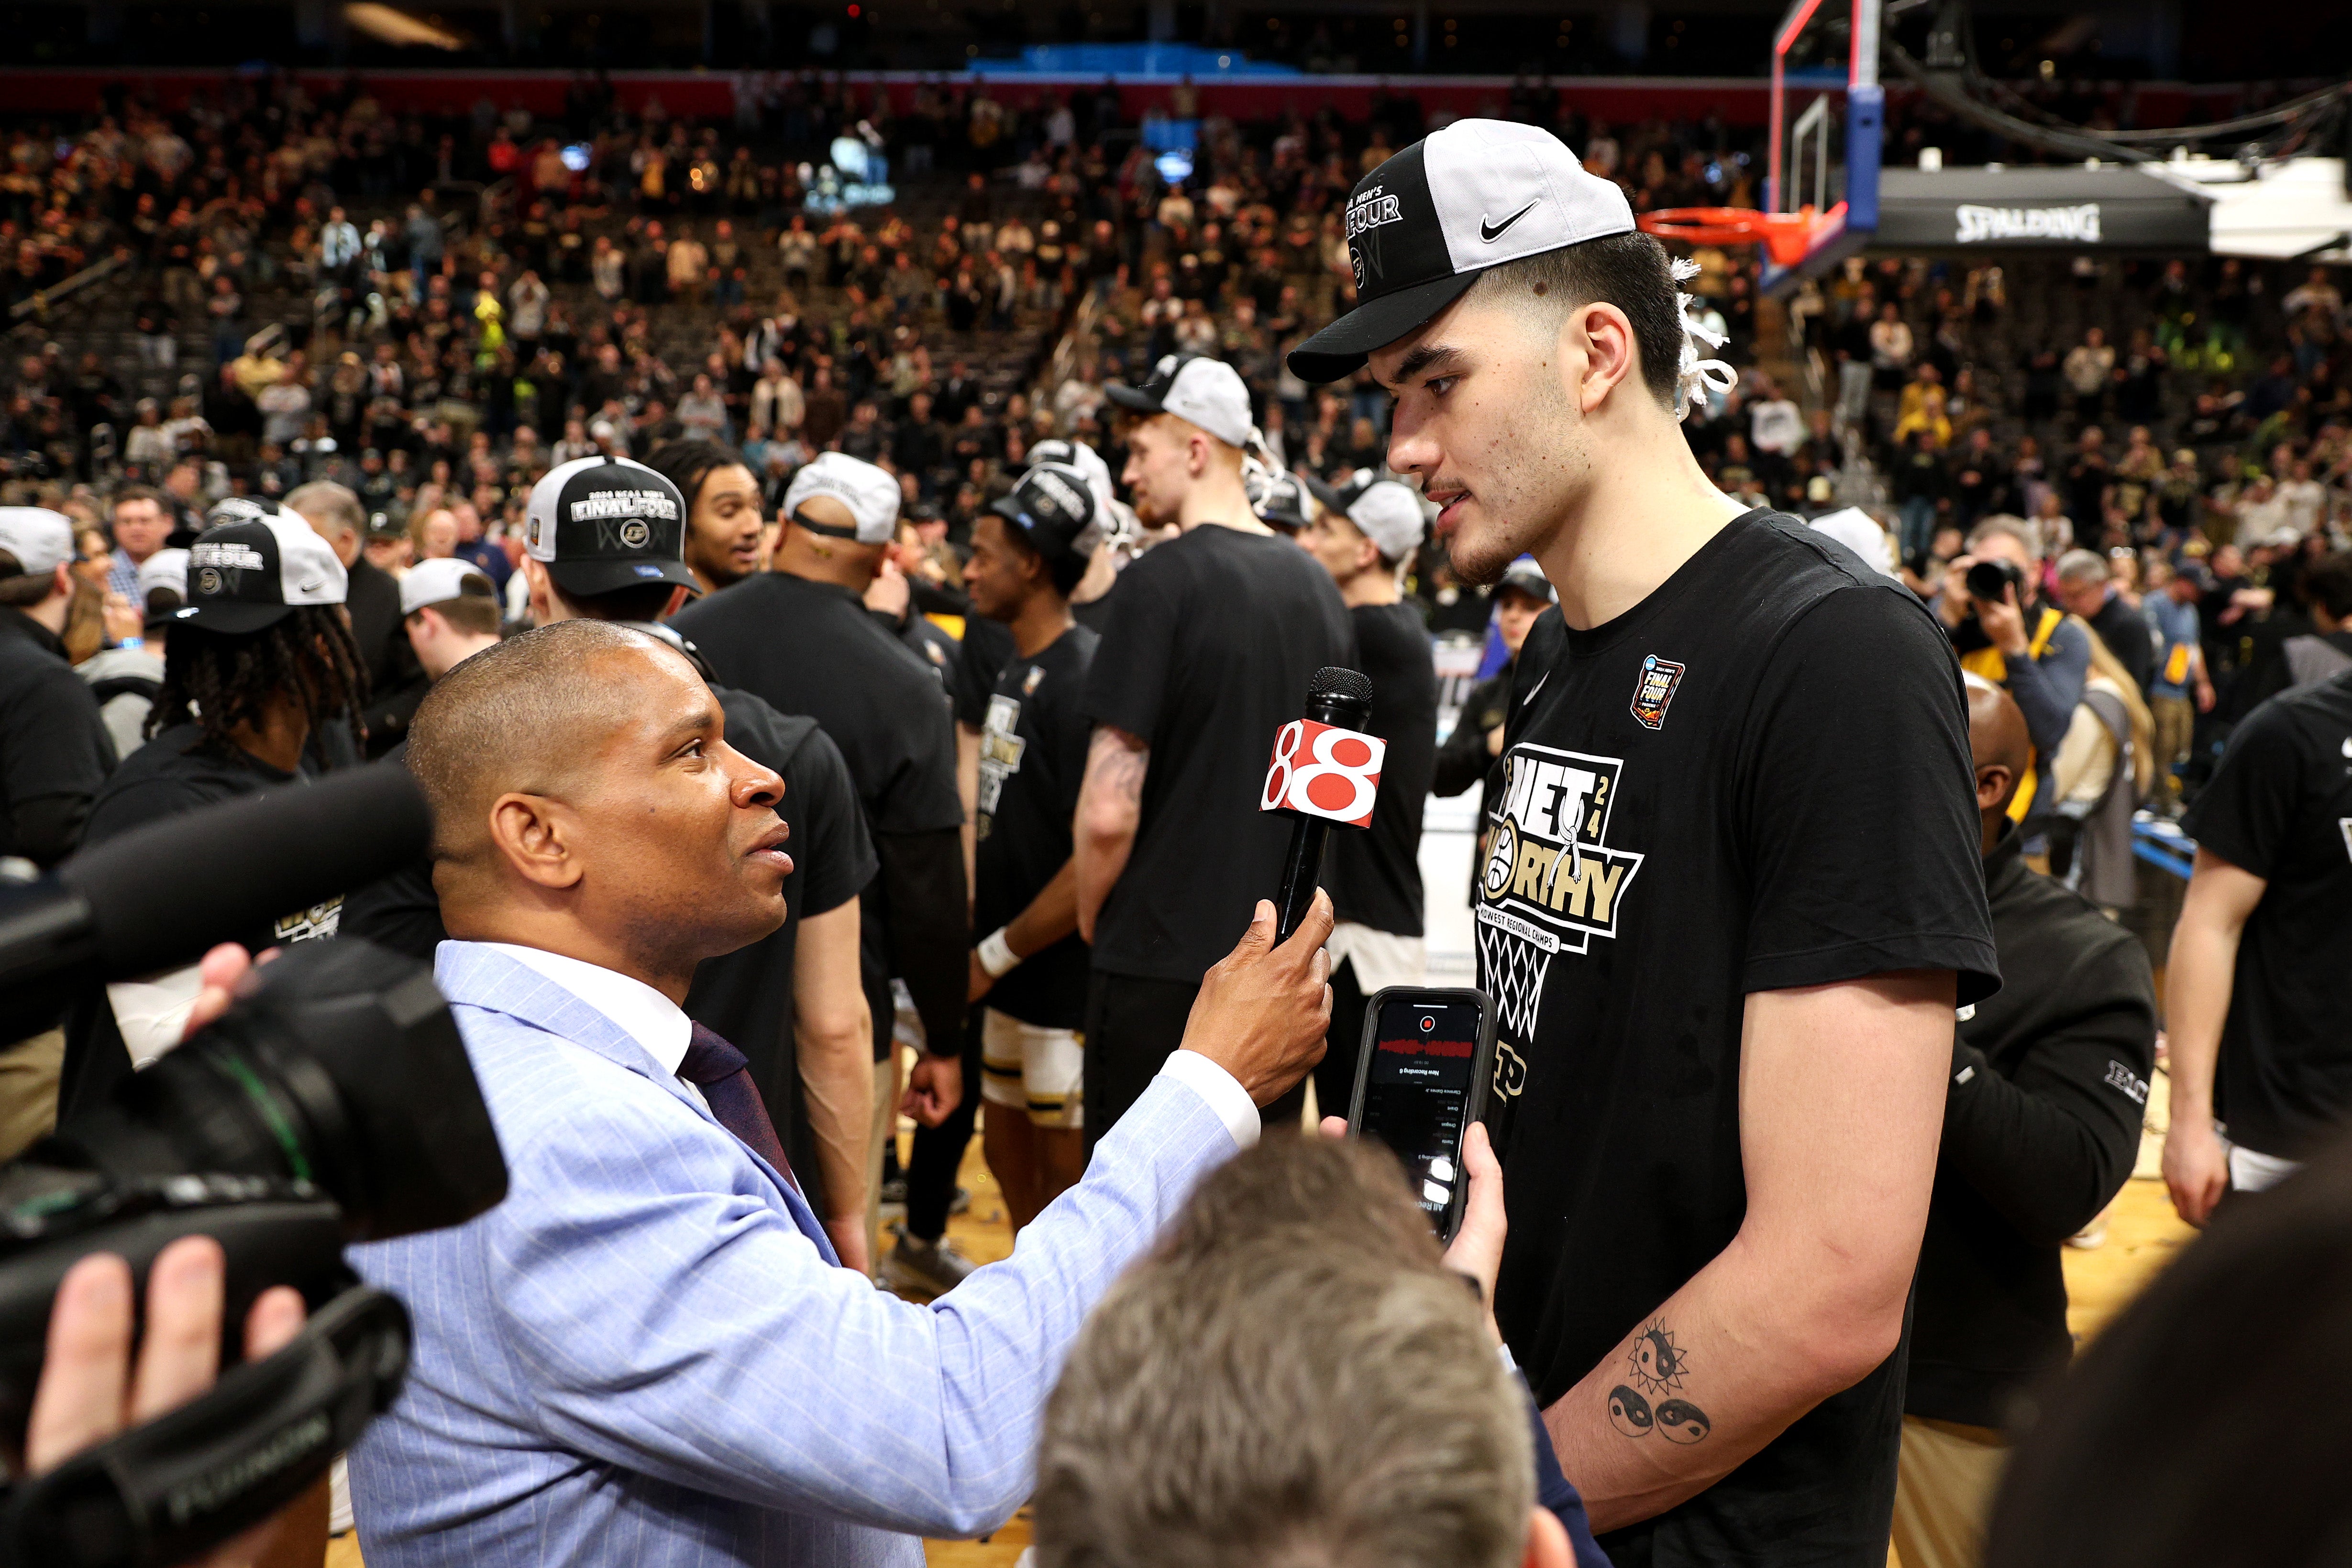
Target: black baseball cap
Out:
[1427,222]
[254,564]
[1054,509]
[1525,576]
[1281,500]
[602,524]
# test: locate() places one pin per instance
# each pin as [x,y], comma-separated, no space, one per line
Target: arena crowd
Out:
[997,523]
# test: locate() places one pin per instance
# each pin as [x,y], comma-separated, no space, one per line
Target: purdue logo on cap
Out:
[634,534]
[208,580]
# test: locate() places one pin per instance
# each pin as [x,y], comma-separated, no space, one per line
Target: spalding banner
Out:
[1321,770]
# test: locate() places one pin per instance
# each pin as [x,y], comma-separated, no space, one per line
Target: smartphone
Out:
[1421,1082]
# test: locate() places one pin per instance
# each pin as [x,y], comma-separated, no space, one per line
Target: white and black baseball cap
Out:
[439,581]
[602,524]
[1079,456]
[1422,225]
[868,490]
[1055,509]
[1208,392]
[1388,513]
[254,564]
[41,540]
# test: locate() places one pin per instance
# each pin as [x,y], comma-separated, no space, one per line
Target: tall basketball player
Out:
[1731,896]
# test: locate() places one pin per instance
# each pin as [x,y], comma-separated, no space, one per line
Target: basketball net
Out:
[1512,970]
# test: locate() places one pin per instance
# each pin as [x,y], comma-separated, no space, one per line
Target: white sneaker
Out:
[926,1268]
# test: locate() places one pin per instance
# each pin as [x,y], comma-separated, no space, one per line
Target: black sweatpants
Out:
[939,1151]
[1335,1075]
[1133,1025]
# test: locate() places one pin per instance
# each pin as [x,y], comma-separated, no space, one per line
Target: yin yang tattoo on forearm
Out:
[1650,1400]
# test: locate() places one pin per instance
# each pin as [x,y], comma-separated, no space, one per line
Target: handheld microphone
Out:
[1326,770]
[162,894]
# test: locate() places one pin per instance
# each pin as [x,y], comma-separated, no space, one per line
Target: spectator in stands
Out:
[2086,589]
[54,750]
[372,603]
[143,523]
[2170,608]
[2030,648]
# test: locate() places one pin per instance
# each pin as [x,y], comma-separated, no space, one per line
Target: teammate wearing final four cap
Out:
[1731,896]
[1212,638]
[1028,552]
[800,635]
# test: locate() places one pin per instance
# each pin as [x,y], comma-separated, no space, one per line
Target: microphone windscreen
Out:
[1338,680]
[163,894]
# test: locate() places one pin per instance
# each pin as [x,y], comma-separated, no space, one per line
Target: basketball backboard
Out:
[1828,112]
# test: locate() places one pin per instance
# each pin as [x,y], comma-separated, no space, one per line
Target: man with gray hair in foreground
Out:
[648,1353]
[1294,1378]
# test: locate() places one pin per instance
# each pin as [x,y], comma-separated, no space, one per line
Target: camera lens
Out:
[340,1067]
[1990,579]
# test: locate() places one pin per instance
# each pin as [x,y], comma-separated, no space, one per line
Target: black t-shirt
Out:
[1374,876]
[172,773]
[1094,614]
[1032,754]
[2280,805]
[1213,640]
[987,649]
[747,995]
[1757,778]
[53,749]
[175,772]
[811,647]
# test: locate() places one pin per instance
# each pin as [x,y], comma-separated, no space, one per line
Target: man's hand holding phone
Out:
[1477,1248]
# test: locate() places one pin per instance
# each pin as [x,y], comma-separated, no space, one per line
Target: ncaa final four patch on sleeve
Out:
[1660,679]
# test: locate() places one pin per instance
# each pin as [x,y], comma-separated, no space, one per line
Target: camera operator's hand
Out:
[89,1389]
[1263,1010]
[2004,623]
[219,971]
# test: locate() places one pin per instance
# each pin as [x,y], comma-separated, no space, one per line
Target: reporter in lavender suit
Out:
[645,1355]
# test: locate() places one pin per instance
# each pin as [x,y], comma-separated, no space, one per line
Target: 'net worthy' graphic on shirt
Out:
[1552,882]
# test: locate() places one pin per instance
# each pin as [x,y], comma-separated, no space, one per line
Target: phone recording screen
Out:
[1416,1089]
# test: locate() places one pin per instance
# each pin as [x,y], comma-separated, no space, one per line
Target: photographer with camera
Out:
[1990,605]
[647,1354]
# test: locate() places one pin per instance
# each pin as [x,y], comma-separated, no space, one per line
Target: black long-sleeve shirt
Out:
[2041,1130]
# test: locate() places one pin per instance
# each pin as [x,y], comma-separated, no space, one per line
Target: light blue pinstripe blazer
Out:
[643,1355]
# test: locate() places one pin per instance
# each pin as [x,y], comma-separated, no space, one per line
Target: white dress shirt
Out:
[656,1023]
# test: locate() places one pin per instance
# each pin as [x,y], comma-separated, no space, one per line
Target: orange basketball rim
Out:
[1785,236]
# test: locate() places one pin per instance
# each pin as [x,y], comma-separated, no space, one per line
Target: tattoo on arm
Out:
[1118,762]
[1650,1400]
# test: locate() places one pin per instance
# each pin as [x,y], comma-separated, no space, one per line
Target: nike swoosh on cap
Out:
[1491,232]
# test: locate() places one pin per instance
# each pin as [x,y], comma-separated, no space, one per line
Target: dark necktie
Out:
[724,1076]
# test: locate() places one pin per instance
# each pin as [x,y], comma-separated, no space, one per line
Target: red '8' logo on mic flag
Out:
[1321,770]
